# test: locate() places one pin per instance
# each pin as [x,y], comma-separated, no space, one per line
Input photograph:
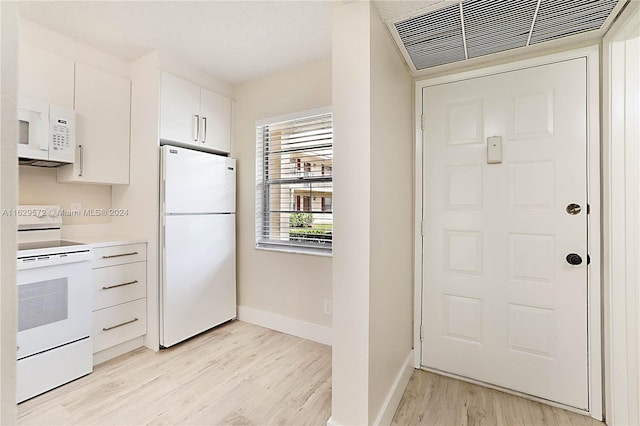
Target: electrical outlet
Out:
[328,307]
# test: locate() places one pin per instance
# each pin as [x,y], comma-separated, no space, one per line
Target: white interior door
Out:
[501,302]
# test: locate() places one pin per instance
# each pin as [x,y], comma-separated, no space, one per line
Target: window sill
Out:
[297,250]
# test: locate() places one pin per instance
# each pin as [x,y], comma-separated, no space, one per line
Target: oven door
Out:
[33,129]
[54,301]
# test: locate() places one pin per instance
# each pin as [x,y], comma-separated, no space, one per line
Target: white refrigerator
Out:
[197,237]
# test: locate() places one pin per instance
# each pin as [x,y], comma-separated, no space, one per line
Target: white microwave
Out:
[46,134]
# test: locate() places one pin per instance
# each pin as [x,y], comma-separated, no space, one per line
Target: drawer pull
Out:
[119,325]
[119,285]
[133,253]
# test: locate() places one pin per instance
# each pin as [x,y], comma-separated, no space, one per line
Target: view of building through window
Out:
[294,177]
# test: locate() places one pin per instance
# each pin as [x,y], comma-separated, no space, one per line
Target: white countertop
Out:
[108,240]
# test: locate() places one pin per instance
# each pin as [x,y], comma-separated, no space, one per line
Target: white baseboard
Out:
[391,402]
[306,330]
[330,422]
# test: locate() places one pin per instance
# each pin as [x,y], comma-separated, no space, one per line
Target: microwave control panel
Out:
[62,134]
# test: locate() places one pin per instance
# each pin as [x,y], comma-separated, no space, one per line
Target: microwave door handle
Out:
[44,139]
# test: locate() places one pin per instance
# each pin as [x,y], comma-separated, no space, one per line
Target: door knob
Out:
[573,209]
[574,259]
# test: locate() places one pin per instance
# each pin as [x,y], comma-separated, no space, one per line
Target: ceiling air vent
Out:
[557,19]
[434,38]
[467,29]
[494,26]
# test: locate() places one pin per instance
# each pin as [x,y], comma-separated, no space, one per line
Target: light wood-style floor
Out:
[241,374]
[431,399]
[237,374]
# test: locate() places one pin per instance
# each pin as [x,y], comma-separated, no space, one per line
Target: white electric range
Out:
[54,303]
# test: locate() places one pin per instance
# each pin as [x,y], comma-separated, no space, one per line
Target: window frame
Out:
[284,246]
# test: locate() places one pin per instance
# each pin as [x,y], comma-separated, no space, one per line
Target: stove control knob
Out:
[52,213]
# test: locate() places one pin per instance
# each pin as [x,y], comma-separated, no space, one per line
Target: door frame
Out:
[594,311]
[621,229]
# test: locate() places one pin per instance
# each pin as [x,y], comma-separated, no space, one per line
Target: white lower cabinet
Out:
[119,254]
[119,296]
[118,284]
[118,324]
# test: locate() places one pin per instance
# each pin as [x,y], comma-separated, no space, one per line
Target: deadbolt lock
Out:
[574,259]
[574,209]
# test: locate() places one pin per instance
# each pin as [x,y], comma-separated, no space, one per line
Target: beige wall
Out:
[8,192]
[59,44]
[291,285]
[373,246]
[351,242]
[188,72]
[141,197]
[37,185]
[391,273]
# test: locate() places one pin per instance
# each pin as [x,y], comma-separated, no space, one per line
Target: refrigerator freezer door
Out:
[198,288]
[197,182]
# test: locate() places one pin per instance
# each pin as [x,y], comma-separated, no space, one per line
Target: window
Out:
[294,183]
[326,204]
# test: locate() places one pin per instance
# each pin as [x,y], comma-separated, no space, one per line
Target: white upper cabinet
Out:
[194,116]
[216,112]
[179,110]
[45,76]
[103,108]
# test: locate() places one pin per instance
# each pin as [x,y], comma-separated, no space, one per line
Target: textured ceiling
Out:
[391,10]
[236,41]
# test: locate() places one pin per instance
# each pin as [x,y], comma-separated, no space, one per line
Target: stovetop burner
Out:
[39,233]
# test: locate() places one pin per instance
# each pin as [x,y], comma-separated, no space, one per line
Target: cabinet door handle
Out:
[107,287]
[81,160]
[111,256]
[204,123]
[119,325]
[196,127]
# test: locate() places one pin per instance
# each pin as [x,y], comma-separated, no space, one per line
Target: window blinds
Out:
[294,183]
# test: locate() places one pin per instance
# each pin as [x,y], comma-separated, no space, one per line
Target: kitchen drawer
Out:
[118,284]
[122,322]
[116,255]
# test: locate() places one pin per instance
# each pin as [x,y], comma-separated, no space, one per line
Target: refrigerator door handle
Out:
[162,232]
